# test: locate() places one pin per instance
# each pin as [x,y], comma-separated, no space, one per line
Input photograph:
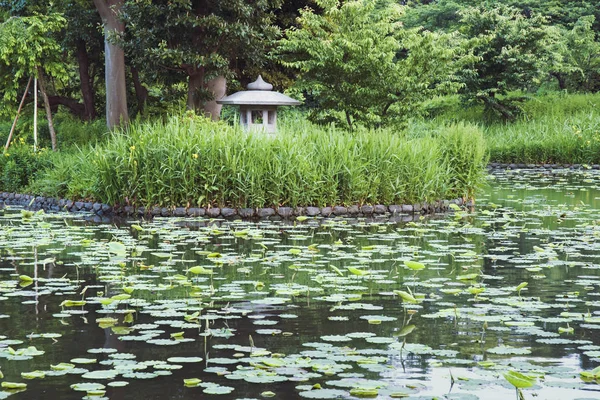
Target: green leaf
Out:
[199,270]
[13,385]
[521,286]
[117,248]
[414,265]
[519,380]
[356,271]
[406,296]
[73,303]
[406,330]
[364,392]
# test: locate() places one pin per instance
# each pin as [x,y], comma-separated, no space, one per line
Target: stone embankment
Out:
[53,204]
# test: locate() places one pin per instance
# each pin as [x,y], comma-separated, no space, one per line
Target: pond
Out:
[456,306]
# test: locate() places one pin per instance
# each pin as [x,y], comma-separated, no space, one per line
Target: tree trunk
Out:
[218,87]
[195,83]
[114,58]
[492,103]
[42,84]
[349,120]
[141,93]
[562,85]
[87,90]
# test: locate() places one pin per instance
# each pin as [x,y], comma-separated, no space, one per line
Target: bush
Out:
[192,161]
[70,131]
[70,175]
[20,166]
[465,152]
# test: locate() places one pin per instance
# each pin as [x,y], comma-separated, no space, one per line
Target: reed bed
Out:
[573,139]
[190,161]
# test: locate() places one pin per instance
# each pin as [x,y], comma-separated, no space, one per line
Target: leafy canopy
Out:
[171,40]
[581,56]
[27,43]
[359,64]
[514,52]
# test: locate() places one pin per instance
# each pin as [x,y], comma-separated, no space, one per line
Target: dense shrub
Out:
[70,131]
[20,165]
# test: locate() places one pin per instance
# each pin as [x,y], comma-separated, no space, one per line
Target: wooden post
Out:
[14,125]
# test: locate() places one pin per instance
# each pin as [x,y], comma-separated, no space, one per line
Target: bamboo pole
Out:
[14,125]
[34,114]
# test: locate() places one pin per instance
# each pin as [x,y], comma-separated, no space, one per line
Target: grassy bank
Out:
[549,139]
[553,128]
[191,161]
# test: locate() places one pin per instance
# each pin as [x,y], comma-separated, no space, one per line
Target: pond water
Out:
[314,309]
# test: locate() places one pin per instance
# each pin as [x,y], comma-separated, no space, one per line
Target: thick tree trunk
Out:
[141,93]
[87,90]
[116,95]
[42,84]
[195,84]
[218,87]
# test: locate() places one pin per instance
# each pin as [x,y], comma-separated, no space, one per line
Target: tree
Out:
[358,63]
[444,14]
[83,41]
[514,52]
[28,48]
[81,48]
[114,59]
[580,69]
[201,41]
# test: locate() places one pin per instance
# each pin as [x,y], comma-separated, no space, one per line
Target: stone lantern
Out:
[258,105]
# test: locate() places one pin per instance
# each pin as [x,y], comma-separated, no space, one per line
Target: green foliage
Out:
[20,165]
[358,63]
[73,132]
[436,15]
[514,52]
[553,128]
[196,162]
[550,139]
[70,130]
[465,152]
[443,14]
[70,175]
[26,43]
[173,40]
[580,49]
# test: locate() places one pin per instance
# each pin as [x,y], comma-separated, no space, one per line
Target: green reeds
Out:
[195,162]
[574,139]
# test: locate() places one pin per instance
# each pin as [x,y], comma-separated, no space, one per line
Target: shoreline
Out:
[104,210]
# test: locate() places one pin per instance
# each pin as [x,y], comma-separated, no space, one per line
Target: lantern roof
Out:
[259,93]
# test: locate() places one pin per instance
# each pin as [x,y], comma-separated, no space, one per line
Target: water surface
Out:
[312,309]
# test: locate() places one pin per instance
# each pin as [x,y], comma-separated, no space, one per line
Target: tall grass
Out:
[191,161]
[553,128]
[550,139]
